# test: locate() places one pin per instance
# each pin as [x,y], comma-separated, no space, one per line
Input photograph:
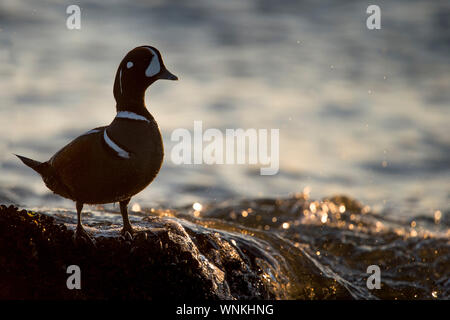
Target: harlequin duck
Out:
[113,163]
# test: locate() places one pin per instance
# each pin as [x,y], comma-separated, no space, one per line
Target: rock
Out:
[162,262]
[292,248]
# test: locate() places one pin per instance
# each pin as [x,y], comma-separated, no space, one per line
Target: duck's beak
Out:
[166,74]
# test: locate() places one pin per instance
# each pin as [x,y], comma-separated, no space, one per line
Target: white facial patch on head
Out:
[154,67]
[129,64]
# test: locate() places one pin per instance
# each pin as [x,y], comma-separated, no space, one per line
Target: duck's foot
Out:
[82,236]
[127,232]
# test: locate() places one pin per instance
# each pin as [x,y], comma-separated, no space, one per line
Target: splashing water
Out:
[301,255]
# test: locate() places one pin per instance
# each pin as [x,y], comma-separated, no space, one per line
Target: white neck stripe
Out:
[120,152]
[91,131]
[131,115]
[120,80]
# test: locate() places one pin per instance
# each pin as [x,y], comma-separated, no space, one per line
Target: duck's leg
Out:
[126,222]
[80,233]
[79,206]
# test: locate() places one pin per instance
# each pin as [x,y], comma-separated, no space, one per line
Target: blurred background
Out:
[362,113]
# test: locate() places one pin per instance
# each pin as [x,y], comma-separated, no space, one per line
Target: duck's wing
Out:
[72,162]
[93,167]
[77,143]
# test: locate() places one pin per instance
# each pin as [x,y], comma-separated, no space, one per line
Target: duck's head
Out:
[138,70]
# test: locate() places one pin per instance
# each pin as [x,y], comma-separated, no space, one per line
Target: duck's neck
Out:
[134,105]
[130,98]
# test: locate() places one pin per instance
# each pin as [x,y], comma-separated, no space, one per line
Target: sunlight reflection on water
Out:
[360,113]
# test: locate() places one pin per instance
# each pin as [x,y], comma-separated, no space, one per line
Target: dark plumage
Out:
[113,163]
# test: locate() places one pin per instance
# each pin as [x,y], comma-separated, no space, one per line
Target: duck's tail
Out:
[48,174]
[37,166]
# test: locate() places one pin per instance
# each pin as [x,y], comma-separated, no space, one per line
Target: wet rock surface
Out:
[292,248]
[160,262]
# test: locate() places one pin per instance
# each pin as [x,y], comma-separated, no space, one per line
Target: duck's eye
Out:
[129,64]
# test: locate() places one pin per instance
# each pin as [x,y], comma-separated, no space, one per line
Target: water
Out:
[361,113]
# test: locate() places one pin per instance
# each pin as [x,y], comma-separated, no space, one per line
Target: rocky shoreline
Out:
[292,248]
[159,263]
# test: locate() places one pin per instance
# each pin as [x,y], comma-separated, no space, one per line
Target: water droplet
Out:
[378,226]
[437,216]
[136,207]
[197,206]
[306,190]
[366,210]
